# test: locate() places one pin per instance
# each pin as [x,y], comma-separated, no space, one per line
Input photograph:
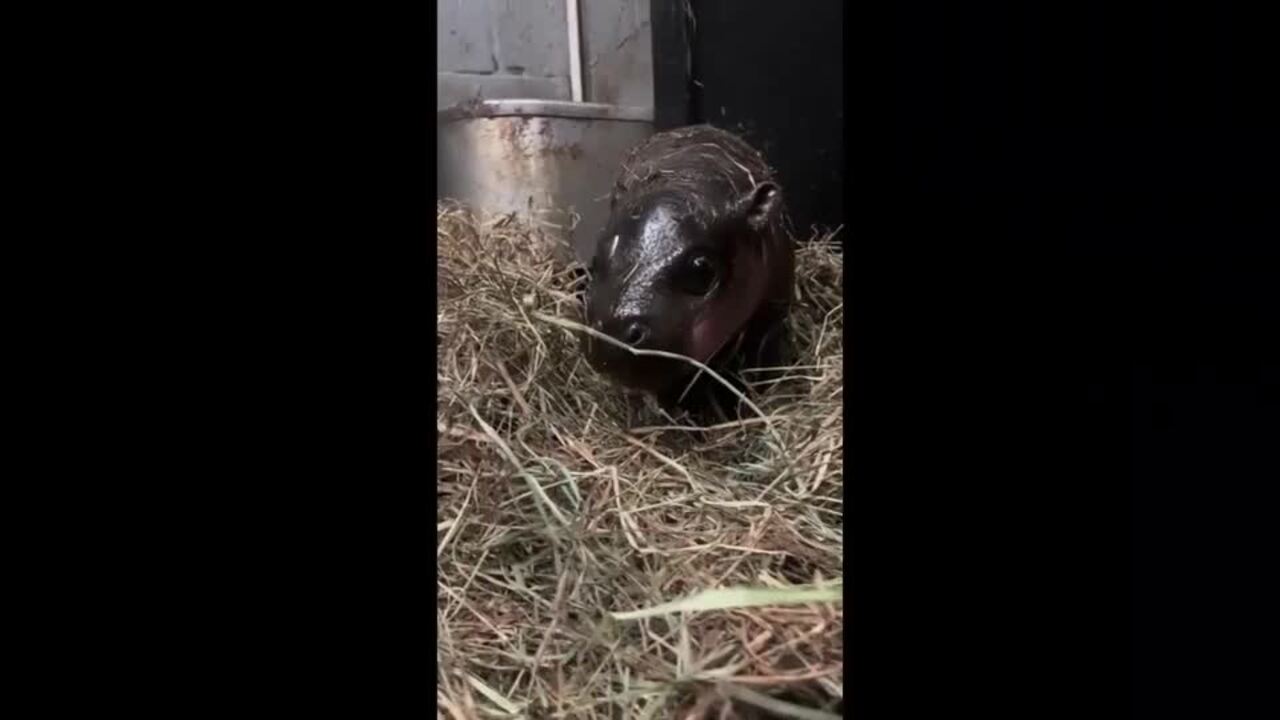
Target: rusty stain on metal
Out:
[551,167]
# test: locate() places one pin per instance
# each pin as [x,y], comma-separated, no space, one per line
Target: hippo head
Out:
[672,274]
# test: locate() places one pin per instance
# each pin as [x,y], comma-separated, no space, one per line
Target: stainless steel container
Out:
[545,160]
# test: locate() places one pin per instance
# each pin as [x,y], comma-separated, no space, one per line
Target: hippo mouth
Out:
[636,372]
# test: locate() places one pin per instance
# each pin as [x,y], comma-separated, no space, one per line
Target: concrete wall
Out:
[519,49]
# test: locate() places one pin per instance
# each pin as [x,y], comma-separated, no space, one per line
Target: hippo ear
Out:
[760,204]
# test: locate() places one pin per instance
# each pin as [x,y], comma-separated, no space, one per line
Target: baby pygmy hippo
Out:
[694,260]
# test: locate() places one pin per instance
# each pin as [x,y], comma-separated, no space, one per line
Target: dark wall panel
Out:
[775,71]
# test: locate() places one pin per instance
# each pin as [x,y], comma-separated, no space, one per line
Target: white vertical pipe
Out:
[575,50]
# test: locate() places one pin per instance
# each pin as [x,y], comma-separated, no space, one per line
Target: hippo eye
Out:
[698,275]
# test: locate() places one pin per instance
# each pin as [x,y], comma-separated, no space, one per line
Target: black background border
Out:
[1061,394]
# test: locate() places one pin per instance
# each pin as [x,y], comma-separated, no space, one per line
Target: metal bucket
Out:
[544,160]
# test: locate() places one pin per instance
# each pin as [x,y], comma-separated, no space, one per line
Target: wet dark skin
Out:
[695,270]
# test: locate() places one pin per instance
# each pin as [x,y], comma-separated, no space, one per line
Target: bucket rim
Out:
[520,107]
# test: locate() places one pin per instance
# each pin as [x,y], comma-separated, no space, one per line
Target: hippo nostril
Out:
[634,334]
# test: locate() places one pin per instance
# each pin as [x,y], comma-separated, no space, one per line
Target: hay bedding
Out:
[554,512]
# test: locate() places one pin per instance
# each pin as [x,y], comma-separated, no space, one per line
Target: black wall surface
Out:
[770,70]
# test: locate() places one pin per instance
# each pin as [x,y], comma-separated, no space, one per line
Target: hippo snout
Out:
[633,331]
[637,332]
[627,368]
